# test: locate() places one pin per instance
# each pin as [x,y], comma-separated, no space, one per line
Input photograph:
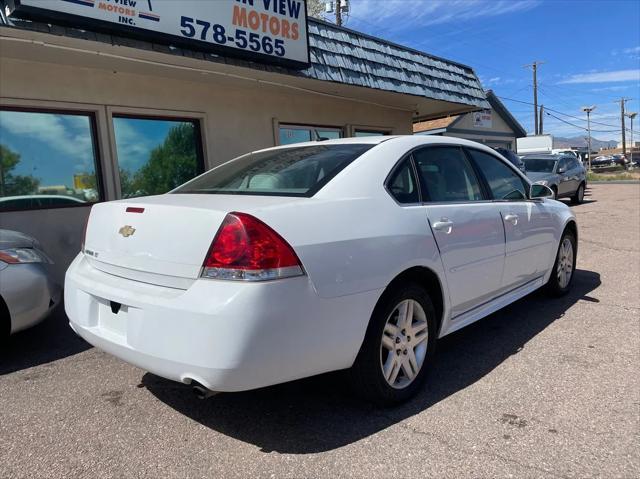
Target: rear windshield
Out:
[295,171]
[539,165]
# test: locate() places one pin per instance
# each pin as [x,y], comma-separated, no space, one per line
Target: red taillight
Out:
[134,209]
[247,249]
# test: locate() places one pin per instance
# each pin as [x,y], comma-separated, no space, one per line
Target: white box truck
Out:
[534,144]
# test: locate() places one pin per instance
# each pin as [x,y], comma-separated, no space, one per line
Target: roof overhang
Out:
[30,45]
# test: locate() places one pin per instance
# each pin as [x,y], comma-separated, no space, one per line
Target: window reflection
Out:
[290,134]
[46,160]
[155,156]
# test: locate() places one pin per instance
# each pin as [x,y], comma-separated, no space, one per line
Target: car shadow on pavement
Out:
[320,414]
[48,341]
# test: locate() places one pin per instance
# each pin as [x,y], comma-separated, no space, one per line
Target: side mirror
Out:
[540,191]
[561,170]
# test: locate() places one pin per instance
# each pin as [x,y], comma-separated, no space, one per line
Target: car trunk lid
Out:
[154,239]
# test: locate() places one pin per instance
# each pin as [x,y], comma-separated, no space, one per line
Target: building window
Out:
[156,155]
[360,133]
[48,159]
[298,133]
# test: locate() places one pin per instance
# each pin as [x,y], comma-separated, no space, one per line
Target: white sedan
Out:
[293,261]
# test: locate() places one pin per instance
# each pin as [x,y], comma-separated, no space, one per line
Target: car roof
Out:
[407,140]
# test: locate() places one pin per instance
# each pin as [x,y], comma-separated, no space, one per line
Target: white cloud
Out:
[632,50]
[610,88]
[395,15]
[69,135]
[133,146]
[604,77]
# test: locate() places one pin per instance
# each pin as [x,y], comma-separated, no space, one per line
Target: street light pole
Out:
[588,110]
[631,117]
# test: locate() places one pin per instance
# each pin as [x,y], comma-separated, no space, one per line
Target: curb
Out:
[615,182]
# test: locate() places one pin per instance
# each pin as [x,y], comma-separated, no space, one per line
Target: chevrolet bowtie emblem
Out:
[127,231]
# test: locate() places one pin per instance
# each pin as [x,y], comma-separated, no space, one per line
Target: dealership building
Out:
[495,126]
[100,101]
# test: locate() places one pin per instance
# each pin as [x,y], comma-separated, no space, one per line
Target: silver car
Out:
[27,292]
[565,175]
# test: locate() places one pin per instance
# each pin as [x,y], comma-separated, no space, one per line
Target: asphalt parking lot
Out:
[544,388]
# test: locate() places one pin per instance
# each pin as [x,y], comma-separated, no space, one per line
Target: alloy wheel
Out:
[565,263]
[404,344]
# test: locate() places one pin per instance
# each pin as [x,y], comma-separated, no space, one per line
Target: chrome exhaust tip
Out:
[202,392]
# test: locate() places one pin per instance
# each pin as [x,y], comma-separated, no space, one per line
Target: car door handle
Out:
[513,219]
[443,225]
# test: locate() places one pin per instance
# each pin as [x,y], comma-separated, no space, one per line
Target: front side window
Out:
[290,134]
[403,185]
[156,155]
[447,175]
[503,182]
[293,171]
[47,160]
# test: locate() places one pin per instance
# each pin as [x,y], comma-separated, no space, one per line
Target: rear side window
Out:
[503,182]
[295,171]
[403,185]
[447,175]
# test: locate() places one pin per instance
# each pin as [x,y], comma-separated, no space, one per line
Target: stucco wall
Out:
[236,117]
[499,132]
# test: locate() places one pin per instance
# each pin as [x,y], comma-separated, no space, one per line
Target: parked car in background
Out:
[602,160]
[27,292]
[512,157]
[565,175]
[620,160]
[346,254]
[38,201]
[564,152]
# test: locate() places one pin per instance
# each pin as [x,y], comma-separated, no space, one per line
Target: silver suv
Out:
[565,175]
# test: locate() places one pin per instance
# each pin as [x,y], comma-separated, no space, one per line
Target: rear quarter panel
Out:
[353,245]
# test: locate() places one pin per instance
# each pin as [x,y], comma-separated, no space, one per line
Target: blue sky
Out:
[591,50]
[65,141]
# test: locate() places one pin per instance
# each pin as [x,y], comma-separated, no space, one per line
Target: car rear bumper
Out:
[226,335]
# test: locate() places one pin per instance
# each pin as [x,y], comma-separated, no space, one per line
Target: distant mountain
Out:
[581,141]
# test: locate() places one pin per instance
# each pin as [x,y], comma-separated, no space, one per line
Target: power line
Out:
[580,127]
[562,113]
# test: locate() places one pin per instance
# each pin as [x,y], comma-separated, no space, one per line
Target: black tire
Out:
[366,375]
[5,321]
[578,197]
[554,285]
[555,192]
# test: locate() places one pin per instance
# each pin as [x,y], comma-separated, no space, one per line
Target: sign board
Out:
[268,30]
[482,119]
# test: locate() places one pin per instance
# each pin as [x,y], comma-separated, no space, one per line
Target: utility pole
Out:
[535,65]
[622,101]
[339,13]
[631,117]
[588,110]
[541,129]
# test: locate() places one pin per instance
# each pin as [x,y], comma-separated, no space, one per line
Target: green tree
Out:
[10,184]
[170,164]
